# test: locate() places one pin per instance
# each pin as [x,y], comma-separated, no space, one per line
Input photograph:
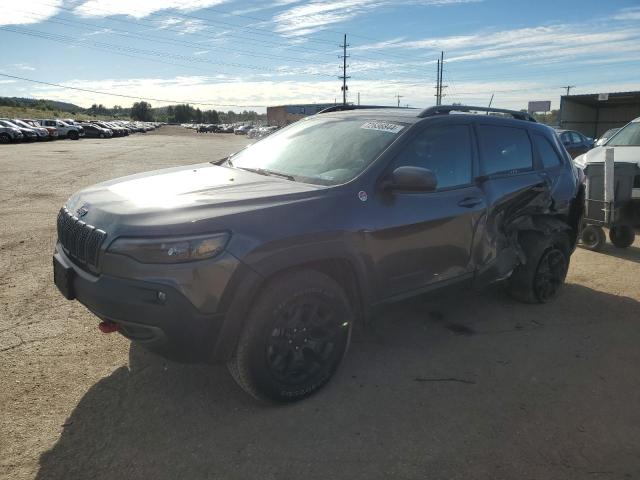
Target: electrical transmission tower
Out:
[344,76]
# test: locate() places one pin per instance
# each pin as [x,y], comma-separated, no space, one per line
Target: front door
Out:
[426,237]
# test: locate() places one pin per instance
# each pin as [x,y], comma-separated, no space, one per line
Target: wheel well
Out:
[576,212]
[338,269]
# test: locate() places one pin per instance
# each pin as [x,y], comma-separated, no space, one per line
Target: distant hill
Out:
[40,104]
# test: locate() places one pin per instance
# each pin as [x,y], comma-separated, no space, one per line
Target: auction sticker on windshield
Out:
[383,127]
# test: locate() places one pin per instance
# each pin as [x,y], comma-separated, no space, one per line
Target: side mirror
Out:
[411,179]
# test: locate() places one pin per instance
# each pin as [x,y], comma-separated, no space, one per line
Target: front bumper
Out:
[154,315]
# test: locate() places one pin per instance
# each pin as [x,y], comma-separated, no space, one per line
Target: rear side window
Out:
[547,153]
[445,150]
[504,149]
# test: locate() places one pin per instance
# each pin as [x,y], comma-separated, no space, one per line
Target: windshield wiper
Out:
[268,173]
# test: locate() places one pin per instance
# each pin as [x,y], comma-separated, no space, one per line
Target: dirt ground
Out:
[440,388]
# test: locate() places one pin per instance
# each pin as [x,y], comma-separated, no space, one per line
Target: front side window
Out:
[445,150]
[504,150]
[628,136]
[320,150]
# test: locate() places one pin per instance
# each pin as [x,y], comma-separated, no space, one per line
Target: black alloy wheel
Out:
[550,274]
[305,342]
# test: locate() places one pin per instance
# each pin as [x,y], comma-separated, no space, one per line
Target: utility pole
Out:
[358,98]
[344,76]
[439,85]
[398,96]
[569,87]
[442,87]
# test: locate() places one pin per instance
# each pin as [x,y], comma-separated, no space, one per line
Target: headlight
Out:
[171,250]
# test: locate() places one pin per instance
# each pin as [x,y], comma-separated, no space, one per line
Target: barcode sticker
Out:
[383,127]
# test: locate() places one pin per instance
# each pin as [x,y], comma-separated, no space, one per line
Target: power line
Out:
[194,102]
[158,38]
[249,29]
[155,53]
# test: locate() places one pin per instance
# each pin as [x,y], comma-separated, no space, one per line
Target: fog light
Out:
[162,297]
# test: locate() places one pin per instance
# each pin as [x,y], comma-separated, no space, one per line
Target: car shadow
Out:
[433,384]
[631,253]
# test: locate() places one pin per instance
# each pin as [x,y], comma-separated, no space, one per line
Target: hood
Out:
[183,196]
[621,154]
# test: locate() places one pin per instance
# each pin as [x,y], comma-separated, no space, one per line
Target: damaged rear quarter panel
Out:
[529,201]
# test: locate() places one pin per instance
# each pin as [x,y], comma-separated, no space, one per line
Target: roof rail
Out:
[342,108]
[446,109]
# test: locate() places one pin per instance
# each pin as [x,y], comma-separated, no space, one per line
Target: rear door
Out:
[426,237]
[511,181]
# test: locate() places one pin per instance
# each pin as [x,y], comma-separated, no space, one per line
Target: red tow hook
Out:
[108,327]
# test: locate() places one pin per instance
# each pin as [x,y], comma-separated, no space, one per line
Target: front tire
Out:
[73,135]
[547,261]
[295,337]
[622,236]
[5,138]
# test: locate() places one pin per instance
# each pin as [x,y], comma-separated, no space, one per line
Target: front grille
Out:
[79,240]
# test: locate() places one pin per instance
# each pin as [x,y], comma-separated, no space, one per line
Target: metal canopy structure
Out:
[594,114]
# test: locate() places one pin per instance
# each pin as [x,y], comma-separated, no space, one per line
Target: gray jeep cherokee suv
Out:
[265,260]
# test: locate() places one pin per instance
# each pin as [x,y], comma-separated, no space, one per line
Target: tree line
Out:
[186,113]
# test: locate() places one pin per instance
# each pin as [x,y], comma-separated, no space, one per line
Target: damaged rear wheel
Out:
[547,261]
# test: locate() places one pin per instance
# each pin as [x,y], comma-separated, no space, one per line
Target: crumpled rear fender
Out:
[498,249]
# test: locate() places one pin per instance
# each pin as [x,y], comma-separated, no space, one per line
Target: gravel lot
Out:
[438,388]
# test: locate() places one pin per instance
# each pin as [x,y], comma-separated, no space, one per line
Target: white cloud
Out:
[21,66]
[525,46]
[626,14]
[139,8]
[311,17]
[16,13]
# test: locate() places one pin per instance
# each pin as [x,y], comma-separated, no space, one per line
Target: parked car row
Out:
[250,131]
[261,132]
[14,130]
[210,127]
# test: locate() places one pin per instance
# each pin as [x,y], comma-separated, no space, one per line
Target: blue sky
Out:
[232,54]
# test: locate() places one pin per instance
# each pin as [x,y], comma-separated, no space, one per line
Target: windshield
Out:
[7,123]
[323,151]
[628,136]
[21,123]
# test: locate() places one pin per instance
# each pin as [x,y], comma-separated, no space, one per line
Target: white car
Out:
[64,129]
[626,145]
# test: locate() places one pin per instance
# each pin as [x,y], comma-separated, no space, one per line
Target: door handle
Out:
[469,202]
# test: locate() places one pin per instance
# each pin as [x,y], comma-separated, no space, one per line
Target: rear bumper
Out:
[156,316]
